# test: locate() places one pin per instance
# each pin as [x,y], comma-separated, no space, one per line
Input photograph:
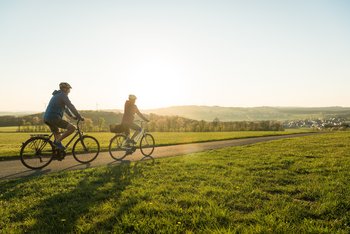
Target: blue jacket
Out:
[59,104]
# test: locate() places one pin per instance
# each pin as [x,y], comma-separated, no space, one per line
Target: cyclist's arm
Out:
[72,108]
[68,112]
[140,114]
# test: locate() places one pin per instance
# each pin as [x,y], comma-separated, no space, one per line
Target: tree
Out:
[88,125]
[36,122]
[101,123]
[216,121]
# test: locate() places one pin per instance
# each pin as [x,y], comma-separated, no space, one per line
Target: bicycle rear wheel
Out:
[86,149]
[147,144]
[117,148]
[37,152]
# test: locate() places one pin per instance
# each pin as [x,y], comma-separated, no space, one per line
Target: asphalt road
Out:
[15,169]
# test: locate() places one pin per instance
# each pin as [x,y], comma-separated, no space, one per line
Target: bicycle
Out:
[120,145]
[38,151]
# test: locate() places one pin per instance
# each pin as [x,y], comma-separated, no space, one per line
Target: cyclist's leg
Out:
[137,129]
[54,129]
[126,130]
[65,125]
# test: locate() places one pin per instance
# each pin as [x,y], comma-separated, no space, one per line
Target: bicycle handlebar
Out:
[142,122]
[78,121]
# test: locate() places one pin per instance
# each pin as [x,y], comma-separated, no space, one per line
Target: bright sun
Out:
[156,82]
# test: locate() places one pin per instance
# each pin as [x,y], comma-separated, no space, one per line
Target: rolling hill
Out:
[209,113]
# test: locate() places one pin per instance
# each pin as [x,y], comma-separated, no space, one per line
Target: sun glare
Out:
[157,82]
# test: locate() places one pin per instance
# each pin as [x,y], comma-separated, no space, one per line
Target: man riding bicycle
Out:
[59,104]
[130,109]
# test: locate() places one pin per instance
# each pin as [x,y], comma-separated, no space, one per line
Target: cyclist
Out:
[130,109]
[59,104]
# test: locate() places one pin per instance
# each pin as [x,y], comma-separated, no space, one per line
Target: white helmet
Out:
[132,97]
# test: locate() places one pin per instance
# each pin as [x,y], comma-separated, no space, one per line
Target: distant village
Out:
[334,123]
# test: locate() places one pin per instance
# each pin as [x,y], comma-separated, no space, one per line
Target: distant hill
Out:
[209,113]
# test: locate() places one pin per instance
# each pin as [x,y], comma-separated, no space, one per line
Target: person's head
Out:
[65,87]
[132,98]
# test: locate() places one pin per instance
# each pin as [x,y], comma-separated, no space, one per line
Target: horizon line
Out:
[175,106]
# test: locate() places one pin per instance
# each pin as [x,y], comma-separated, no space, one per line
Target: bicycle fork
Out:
[138,137]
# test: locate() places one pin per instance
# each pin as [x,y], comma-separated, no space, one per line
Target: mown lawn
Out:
[298,185]
[9,129]
[10,143]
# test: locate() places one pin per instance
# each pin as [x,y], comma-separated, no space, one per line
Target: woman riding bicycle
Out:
[130,109]
[59,104]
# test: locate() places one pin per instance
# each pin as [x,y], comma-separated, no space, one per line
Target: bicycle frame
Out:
[142,132]
[138,137]
[77,132]
[121,145]
[71,140]
[85,149]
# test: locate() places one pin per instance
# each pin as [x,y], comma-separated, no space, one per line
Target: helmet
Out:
[65,85]
[132,97]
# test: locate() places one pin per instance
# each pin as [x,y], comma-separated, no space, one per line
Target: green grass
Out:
[298,185]
[10,143]
[8,129]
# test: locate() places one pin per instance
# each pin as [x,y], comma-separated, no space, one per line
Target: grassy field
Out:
[10,143]
[8,129]
[298,185]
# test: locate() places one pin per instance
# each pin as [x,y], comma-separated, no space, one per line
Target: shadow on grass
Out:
[26,174]
[77,166]
[61,212]
[32,173]
[124,207]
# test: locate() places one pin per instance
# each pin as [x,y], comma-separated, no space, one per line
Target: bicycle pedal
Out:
[60,155]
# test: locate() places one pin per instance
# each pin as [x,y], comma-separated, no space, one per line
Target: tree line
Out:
[100,121]
[179,124]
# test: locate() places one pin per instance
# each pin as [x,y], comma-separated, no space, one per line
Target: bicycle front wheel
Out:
[37,152]
[117,148]
[147,145]
[86,149]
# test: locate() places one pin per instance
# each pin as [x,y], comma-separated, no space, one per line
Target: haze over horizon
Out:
[222,53]
[186,106]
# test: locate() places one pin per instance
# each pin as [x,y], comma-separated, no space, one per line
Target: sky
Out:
[224,53]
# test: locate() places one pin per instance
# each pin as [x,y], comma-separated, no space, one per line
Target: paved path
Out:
[14,168]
